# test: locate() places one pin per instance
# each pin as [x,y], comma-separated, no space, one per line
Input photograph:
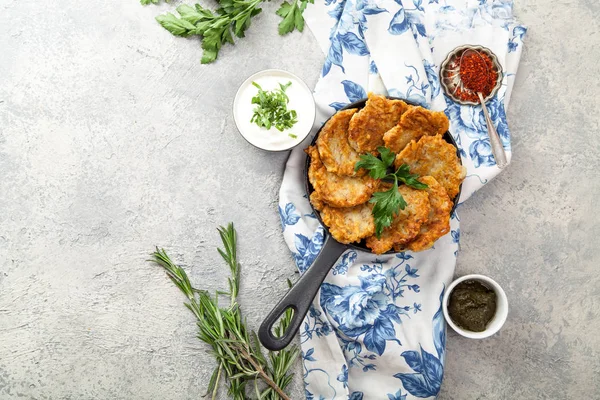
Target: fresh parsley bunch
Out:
[272,109]
[216,28]
[232,18]
[387,203]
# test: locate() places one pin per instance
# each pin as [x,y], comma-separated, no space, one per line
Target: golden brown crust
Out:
[348,225]
[406,224]
[317,201]
[336,153]
[336,190]
[438,223]
[368,126]
[433,156]
[415,123]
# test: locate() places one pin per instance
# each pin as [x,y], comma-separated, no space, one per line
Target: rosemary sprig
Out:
[236,349]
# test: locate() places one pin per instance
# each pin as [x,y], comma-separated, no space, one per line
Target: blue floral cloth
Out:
[376,328]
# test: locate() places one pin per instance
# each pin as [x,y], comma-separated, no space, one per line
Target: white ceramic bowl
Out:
[501,307]
[301,100]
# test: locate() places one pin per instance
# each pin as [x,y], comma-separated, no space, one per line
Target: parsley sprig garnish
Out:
[387,203]
[271,109]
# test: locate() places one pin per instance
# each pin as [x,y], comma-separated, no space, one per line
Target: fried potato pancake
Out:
[317,201]
[336,153]
[438,223]
[406,224]
[433,156]
[347,225]
[415,123]
[337,190]
[368,126]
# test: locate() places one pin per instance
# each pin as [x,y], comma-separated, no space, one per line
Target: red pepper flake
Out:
[477,74]
[467,95]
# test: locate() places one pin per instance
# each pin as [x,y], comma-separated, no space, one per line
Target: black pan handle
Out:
[300,296]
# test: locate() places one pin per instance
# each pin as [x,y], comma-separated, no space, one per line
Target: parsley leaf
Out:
[233,17]
[387,156]
[387,203]
[409,179]
[177,26]
[292,15]
[386,206]
[146,2]
[377,167]
[272,109]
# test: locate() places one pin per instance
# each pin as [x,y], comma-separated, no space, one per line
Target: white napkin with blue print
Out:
[376,328]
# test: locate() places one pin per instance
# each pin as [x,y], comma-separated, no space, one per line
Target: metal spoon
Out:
[497,148]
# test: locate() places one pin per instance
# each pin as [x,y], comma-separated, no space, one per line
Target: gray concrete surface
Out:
[113,139]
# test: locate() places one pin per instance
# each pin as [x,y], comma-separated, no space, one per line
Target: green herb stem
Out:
[236,349]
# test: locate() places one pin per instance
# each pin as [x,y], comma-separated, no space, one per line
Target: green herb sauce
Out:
[472,306]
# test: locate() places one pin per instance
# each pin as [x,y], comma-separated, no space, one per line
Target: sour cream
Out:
[301,100]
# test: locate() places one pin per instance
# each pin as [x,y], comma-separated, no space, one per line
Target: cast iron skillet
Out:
[301,295]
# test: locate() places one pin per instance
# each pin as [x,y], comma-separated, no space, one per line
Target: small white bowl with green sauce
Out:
[300,100]
[477,302]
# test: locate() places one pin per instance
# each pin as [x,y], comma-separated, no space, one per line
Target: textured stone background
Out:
[113,139]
